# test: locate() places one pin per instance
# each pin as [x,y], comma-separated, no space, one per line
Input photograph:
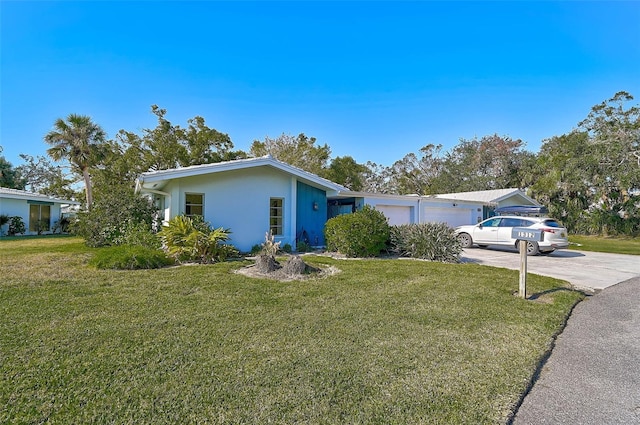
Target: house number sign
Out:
[525,235]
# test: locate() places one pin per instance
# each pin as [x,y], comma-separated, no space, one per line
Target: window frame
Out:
[33,227]
[189,206]
[276,221]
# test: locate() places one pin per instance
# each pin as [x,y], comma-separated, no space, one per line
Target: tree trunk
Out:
[87,187]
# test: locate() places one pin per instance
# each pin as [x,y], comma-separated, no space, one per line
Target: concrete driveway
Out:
[591,271]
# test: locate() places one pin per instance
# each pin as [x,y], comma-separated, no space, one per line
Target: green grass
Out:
[382,342]
[612,245]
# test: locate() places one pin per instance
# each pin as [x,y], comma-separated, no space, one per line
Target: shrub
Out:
[193,240]
[129,257]
[287,248]
[139,234]
[16,226]
[303,246]
[113,215]
[41,226]
[61,226]
[361,234]
[429,241]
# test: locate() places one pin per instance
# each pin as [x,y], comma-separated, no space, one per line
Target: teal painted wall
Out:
[310,222]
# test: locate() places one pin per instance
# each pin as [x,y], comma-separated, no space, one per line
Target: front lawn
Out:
[614,245]
[381,342]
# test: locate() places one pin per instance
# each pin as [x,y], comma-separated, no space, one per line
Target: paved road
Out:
[591,271]
[592,376]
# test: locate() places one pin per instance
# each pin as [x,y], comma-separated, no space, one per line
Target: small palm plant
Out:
[193,240]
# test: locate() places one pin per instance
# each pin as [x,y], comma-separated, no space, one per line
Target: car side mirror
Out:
[480,226]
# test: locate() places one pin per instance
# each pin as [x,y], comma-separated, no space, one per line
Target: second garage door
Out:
[452,216]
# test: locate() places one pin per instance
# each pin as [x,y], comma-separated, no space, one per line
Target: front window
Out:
[39,218]
[275,216]
[194,204]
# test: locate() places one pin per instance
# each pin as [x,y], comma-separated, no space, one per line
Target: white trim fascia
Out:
[239,164]
[352,194]
[23,194]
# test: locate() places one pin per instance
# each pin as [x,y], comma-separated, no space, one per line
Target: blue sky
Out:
[373,80]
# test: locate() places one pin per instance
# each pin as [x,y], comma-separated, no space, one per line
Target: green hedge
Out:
[362,234]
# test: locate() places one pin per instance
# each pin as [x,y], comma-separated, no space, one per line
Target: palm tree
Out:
[80,141]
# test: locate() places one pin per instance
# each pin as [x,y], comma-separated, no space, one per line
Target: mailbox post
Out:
[524,235]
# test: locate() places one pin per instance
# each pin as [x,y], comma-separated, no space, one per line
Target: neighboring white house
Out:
[252,196]
[496,197]
[39,212]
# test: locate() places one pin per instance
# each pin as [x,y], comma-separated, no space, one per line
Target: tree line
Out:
[589,178]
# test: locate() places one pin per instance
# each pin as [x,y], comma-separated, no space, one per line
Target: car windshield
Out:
[551,223]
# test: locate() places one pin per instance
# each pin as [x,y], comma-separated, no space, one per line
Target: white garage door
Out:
[395,214]
[452,216]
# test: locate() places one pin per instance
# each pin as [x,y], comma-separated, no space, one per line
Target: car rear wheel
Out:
[532,247]
[465,240]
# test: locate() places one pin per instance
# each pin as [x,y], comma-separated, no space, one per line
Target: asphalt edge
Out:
[544,358]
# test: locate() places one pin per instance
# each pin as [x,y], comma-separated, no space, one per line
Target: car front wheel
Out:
[465,240]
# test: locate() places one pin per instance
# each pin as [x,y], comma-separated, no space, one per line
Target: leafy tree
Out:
[80,141]
[347,172]
[41,176]
[170,146]
[376,178]
[417,173]
[493,162]
[9,176]
[163,147]
[300,151]
[614,135]
[590,177]
[206,145]
[561,177]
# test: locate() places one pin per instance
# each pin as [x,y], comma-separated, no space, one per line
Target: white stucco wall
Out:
[239,200]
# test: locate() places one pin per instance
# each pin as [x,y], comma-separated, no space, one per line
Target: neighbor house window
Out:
[194,204]
[275,216]
[39,218]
